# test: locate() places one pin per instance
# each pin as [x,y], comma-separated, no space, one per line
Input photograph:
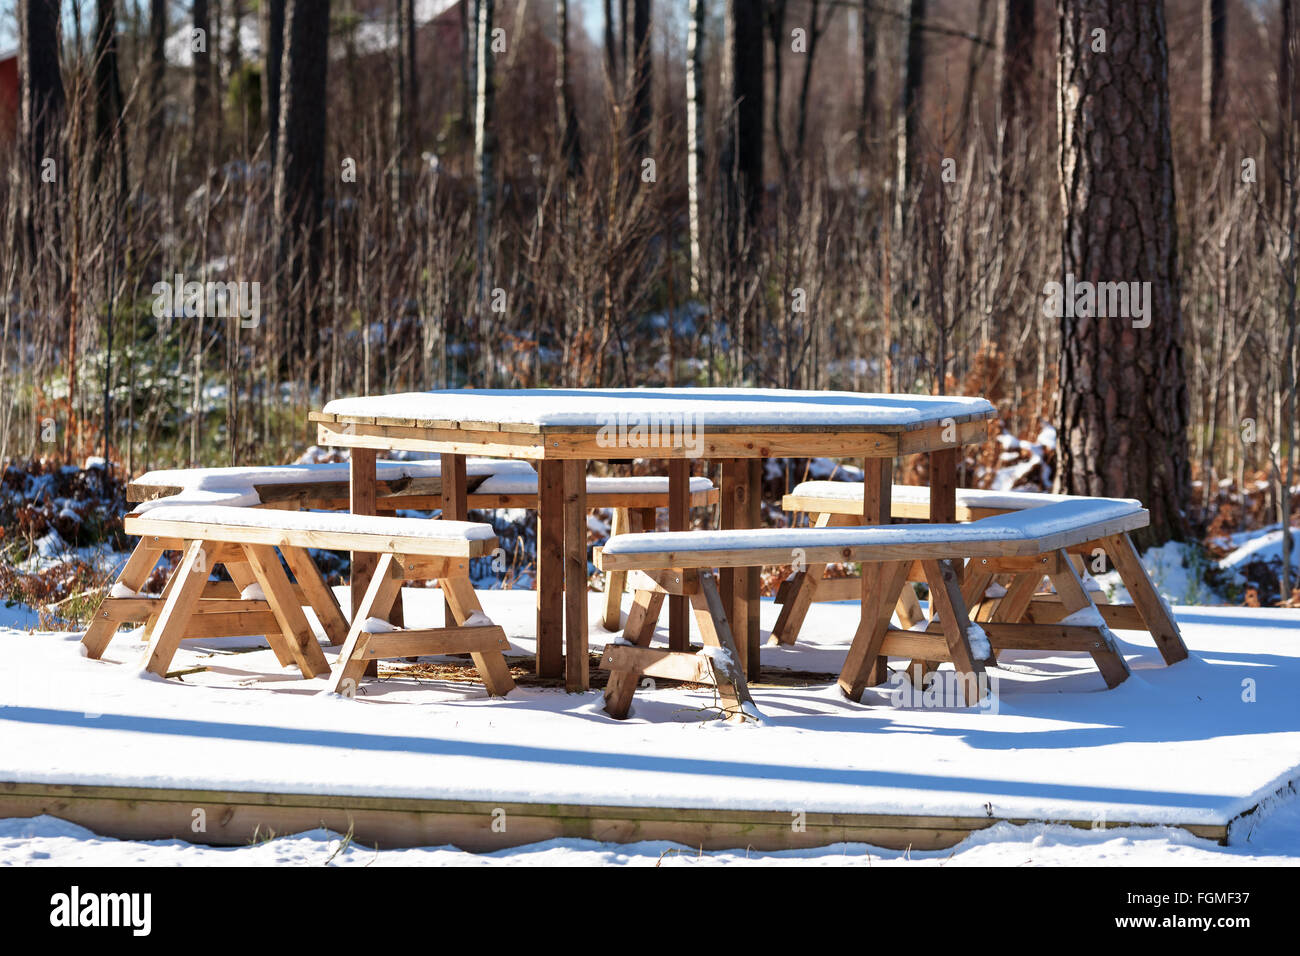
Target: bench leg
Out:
[385,583]
[948,602]
[242,575]
[1114,669]
[615,581]
[881,584]
[133,575]
[1011,607]
[185,587]
[641,621]
[800,590]
[1160,623]
[300,639]
[317,593]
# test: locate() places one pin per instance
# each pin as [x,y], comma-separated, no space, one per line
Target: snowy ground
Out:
[1203,741]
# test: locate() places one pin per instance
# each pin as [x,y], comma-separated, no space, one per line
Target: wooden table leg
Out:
[943,485]
[550,569]
[576,662]
[679,519]
[739,587]
[877,507]
[361,501]
[754,519]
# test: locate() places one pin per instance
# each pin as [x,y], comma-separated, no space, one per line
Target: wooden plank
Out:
[1043,637]
[550,569]
[576,663]
[238,818]
[300,637]
[1159,622]
[1047,609]
[679,519]
[943,485]
[133,575]
[188,579]
[436,641]
[670,580]
[615,581]
[656,662]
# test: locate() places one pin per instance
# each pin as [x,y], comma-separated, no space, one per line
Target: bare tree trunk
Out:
[816,27]
[41,90]
[868,108]
[272,60]
[201,66]
[300,167]
[484,153]
[1213,51]
[110,141]
[741,157]
[157,67]
[405,109]
[776,10]
[640,69]
[695,133]
[611,50]
[909,106]
[566,113]
[1123,405]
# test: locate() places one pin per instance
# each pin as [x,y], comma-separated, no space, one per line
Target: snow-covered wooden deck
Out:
[411,762]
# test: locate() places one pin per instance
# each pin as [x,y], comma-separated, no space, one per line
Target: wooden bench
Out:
[417,485]
[1025,545]
[262,599]
[839,503]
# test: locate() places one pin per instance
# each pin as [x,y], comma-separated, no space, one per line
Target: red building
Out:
[8,94]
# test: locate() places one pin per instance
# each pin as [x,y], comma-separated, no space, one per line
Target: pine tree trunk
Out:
[157,67]
[1123,404]
[484,153]
[741,157]
[110,141]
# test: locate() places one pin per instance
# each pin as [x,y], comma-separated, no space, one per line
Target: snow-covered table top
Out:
[588,408]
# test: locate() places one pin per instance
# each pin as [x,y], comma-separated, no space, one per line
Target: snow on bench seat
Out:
[315,529]
[919,495]
[1027,532]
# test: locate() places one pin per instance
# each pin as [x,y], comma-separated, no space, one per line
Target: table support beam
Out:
[877,508]
[550,569]
[576,657]
[679,519]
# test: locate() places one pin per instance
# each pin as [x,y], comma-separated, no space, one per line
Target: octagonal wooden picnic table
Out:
[561,430]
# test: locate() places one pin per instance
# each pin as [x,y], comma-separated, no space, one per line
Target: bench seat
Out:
[406,485]
[838,503]
[263,600]
[1029,532]
[1023,545]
